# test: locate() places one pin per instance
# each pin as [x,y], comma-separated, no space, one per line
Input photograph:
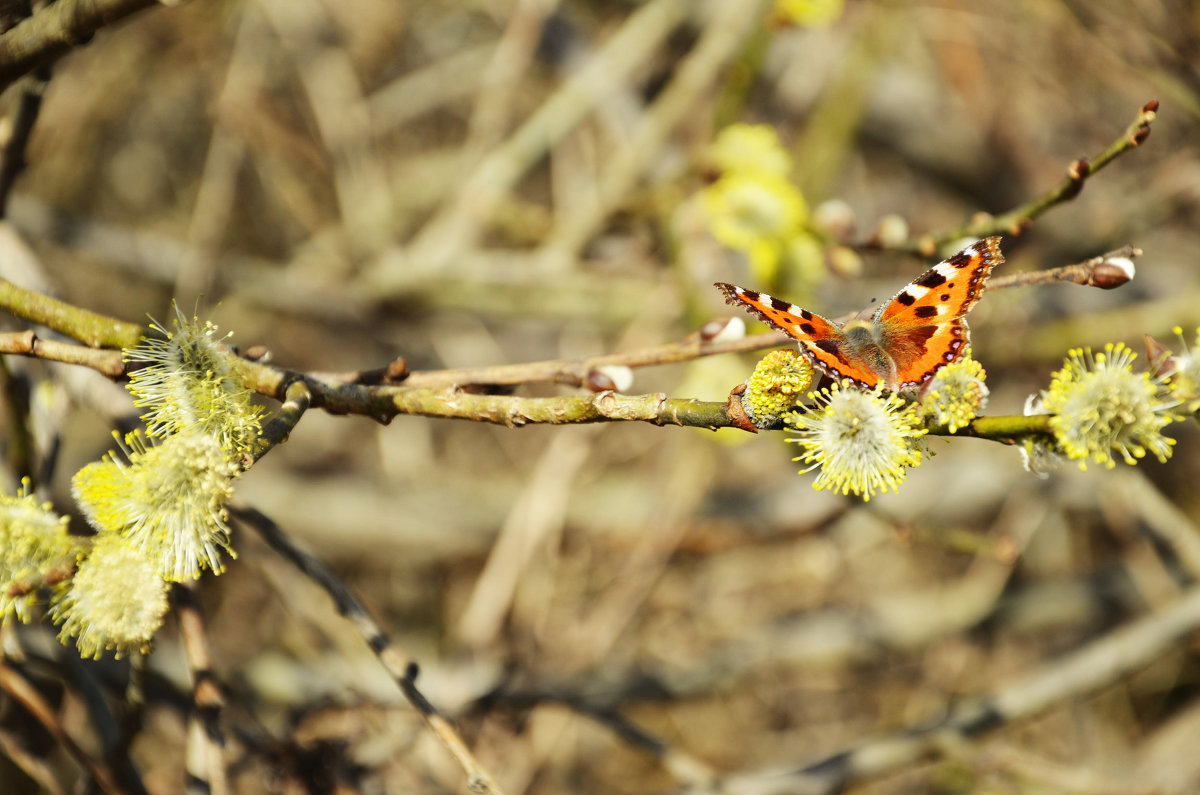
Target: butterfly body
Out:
[906,341]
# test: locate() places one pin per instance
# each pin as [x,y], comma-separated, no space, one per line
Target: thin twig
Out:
[574,372]
[92,329]
[205,740]
[1095,272]
[12,162]
[57,29]
[1017,220]
[394,661]
[17,686]
[27,343]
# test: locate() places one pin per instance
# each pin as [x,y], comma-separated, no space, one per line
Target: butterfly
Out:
[908,339]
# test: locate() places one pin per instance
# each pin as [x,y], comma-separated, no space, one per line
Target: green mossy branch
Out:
[90,328]
[341,394]
[1006,429]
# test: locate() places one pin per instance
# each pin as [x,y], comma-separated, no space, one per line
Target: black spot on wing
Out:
[906,299]
[926,311]
[780,306]
[931,279]
[808,328]
[962,259]
[829,346]
[804,313]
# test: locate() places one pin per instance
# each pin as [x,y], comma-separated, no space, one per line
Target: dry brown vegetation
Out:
[618,607]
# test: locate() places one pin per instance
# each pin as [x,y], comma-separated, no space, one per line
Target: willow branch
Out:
[574,372]
[27,343]
[297,399]
[340,394]
[1105,271]
[55,30]
[439,394]
[1017,220]
[92,329]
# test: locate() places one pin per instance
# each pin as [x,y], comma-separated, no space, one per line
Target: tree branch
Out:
[1017,220]
[90,328]
[55,30]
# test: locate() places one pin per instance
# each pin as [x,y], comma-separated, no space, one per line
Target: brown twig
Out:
[403,670]
[27,343]
[17,686]
[574,372]
[57,29]
[1017,220]
[205,740]
[21,446]
[1105,271]
[12,162]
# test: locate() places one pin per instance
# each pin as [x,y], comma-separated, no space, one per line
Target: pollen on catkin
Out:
[116,600]
[167,499]
[863,441]
[188,386]
[956,394]
[1102,407]
[33,540]
[780,381]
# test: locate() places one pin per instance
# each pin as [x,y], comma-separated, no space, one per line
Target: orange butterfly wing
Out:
[824,342]
[922,329]
[911,337]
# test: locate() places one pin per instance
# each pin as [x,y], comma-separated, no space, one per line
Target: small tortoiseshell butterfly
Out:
[909,338]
